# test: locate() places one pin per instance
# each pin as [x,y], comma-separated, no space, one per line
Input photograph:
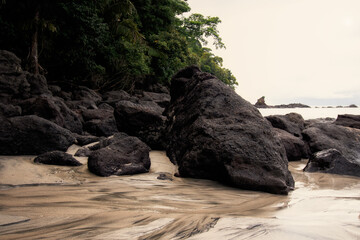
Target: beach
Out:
[55,202]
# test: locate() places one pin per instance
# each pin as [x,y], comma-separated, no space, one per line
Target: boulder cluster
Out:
[205,127]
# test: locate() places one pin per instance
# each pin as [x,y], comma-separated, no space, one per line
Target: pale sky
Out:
[290,51]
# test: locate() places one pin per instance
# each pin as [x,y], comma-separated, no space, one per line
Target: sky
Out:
[290,51]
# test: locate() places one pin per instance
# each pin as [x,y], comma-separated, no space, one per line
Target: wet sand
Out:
[53,202]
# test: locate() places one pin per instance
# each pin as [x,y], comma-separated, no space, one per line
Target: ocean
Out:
[311,113]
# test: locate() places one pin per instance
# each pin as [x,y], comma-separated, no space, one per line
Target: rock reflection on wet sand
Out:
[52,202]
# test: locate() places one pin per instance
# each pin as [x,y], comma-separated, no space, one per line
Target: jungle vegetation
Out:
[110,44]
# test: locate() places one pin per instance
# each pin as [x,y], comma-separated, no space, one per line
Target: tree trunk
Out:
[33,62]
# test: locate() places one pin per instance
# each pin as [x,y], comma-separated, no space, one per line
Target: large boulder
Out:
[53,109]
[213,133]
[99,122]
[142,119]
[324,136]
[292,123]
[296,149]
[32,135]
[123,155]
[332,161]
[348,120]
[57,158]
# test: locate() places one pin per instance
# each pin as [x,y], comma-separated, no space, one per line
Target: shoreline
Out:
[144,207]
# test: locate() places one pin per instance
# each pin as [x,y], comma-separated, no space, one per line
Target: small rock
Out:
[165,176]
[57,158]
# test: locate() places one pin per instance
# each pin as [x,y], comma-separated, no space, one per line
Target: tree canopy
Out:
[110,44]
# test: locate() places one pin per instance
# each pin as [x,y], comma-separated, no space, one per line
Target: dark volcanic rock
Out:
[348,120]
[9,110]
[292,123]
[332,161]
[162,99]
[84,93]
[81,104]
[53,109]
[165,176]
[9,63]
[142,119]
[83,152]
[91,114]
[57,158]
[85,139]
[13,81]
[32,135]
[113,97]
[105,106]
[100,128]
[324,136]
[125,155]
[38,84]
[215,134]
[99,122]
[336,149]
[296,149]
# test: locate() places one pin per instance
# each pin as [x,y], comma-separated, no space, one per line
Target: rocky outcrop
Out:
[293,123]
[260,103]
[215,134]
[142,119]
[296,149]
[32,135]
[332,161]
[120,155]
[57,158]
[348,120]
[291,105]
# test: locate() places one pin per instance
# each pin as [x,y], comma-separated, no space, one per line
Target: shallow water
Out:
[52,202]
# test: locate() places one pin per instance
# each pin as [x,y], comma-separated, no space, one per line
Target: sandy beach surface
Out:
[54,202]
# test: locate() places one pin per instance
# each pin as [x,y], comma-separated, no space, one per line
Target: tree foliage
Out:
[109,44]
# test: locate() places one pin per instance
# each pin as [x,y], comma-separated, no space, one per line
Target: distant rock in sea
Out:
[260,103]
[291,105]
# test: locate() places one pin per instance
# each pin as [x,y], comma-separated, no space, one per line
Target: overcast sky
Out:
[290,51]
